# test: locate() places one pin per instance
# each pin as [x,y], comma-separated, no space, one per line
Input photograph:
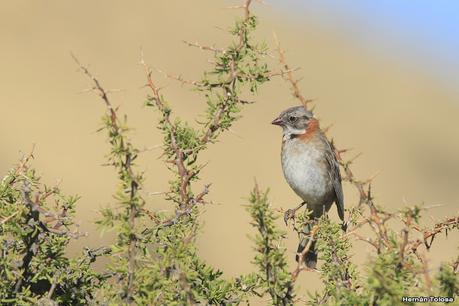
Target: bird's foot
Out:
[289,214]
[344,226]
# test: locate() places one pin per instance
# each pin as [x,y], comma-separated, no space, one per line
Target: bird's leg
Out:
[290,213]
[344,226]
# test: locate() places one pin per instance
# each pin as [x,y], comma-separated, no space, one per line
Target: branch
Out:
[101,91]
[455,265]
[300,267]
[178,78]
[31,240]
[229,85]
[179,154]
[6,219]
[431,233]
[219,116]
[287,74]
[203,47]
[126,156]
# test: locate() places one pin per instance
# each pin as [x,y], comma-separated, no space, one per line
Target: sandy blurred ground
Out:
[403,120]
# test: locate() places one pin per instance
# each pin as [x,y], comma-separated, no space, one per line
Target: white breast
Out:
[305,170]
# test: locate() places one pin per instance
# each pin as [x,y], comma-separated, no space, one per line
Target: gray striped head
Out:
[294,120]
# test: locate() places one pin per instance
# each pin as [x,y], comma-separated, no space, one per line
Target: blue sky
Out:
[423,33]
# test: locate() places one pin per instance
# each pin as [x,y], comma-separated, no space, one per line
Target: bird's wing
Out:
[336,177]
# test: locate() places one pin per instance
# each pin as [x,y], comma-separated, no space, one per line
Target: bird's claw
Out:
[344,226]
[289,214]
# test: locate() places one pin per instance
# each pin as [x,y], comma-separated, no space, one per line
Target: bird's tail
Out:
[310,257]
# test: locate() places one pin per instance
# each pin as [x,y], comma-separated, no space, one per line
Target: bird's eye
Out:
[292,119]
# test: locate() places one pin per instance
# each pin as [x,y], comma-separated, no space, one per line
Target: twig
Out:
[230,83]
[288,75]
[31,243]
[300,267]
[53,286]
[179,154]
[126,163]
[455,265]
[8,218]
[178,78]
[425,271]
[430,234]
[203,47]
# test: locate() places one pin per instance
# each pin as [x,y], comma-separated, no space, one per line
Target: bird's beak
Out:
[277,121]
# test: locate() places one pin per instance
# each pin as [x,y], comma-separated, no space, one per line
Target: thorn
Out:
[235,133]
[326,129]
[256,188]
[371,178]
[345,150]
[354,158]
[434,206]
[235,7]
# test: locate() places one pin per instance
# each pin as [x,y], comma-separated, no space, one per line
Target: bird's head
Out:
[294,121]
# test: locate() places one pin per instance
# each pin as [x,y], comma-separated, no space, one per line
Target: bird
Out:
[311,169]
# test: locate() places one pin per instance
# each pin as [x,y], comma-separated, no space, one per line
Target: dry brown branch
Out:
[187,211]
[100,90]
[431,233]
[53,287]
[327,128]
[178,78]
[22,165]
[425,271]
[288,76]
[186,201]
[301,266]
[6,219]
[404,235]
[455,265]
[45,216]
[31,246]
[185,176]
[364,195]
[133,209]
[203,47]
[24,161]
[215,122]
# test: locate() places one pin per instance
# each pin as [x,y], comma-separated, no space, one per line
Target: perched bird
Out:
[311,169]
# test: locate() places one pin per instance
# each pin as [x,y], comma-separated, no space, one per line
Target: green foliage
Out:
[448,280]
[337,272]
[273,274]
[35,229]
[167,269]
[388,282]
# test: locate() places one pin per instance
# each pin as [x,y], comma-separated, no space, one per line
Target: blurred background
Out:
[384,73]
